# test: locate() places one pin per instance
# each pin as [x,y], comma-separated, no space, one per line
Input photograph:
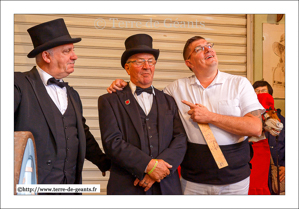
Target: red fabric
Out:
[179,170]
[266,100]
[260,168]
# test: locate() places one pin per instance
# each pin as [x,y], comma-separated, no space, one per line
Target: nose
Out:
[207,49]
[145,64]
[74,56]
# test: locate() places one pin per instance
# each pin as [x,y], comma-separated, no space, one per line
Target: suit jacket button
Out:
[49,162]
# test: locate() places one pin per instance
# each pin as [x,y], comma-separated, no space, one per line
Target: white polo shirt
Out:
[227,95]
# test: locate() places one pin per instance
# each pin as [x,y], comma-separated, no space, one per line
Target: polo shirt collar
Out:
[219,79]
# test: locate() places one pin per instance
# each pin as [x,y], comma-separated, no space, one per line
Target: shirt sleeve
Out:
[248,98]
[169,88]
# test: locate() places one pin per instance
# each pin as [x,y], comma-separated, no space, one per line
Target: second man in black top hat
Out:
[141,129]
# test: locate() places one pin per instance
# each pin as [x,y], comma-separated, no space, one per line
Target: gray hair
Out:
[38,58]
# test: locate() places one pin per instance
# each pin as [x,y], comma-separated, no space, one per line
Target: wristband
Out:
[153,167]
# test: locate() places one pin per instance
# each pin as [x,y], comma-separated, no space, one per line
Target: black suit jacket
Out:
[33,113]
[123,141]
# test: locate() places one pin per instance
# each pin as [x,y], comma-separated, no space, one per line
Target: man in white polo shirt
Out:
[230,106]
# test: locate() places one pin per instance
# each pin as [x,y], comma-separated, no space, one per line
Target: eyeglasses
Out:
[202,48]
[140,62]
[261,91]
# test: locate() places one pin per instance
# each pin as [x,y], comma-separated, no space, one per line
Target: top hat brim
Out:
[53,43]
[130,52]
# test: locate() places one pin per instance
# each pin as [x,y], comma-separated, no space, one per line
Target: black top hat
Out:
[48,35]
[139,43]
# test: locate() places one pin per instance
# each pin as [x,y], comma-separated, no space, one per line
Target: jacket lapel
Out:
[42,97]
[130,105]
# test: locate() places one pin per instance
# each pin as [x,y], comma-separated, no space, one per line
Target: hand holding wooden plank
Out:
[199,114]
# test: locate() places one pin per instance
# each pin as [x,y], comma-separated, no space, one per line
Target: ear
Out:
[189,64]
[127,68]
[46,56]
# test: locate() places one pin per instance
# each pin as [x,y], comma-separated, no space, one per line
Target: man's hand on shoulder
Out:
[118,84]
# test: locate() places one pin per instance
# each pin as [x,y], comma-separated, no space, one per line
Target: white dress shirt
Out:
[57,94]
[227,95]
[145,100]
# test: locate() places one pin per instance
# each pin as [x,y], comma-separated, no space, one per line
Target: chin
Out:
[71,70]
[146,83]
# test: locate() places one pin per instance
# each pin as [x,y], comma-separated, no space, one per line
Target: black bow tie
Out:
[140,90]
[56,82]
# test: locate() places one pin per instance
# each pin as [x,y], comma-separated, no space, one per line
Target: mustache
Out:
[146,72]
[73,62]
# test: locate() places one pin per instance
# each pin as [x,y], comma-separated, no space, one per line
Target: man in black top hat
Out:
[52,110]
[141,129]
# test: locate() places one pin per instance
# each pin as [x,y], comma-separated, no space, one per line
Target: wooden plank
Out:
[213,145]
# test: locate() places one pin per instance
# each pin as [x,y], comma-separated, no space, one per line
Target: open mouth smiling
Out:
[210,56]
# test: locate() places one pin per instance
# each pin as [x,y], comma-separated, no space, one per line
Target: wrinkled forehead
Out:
[142,56]
[200,42]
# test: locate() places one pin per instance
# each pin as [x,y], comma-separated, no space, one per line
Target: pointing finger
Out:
[191,105]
